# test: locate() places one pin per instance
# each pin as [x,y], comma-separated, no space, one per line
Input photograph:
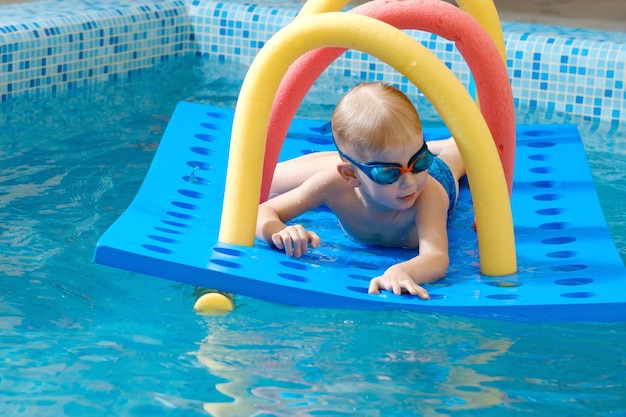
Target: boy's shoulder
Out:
[329,182]
[329,176]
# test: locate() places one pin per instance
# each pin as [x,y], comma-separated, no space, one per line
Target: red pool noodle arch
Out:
[434,16]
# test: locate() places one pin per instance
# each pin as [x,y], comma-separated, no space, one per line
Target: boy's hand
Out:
[397,281]
[295,240]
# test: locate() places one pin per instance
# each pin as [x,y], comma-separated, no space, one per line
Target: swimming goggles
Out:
[389,172]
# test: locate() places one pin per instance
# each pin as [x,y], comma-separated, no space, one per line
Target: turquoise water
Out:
[84,339]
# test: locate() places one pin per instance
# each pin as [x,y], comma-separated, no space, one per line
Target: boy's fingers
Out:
[294,241]
[422,293]
[277,240]
[315,239]
[418,290]
[397,289]
[374,287]
[412,288]
[288,247]
[299,243]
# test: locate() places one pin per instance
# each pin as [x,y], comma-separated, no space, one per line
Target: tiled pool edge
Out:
[577,72]
[79,47]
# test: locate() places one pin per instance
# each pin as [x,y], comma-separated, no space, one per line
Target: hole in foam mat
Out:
[225,264]
[539,157]
[363,265]
[180,215]
[191,193]
[541,170]
[205,138]
[210,126]
[294,265]
[228,251]
[216,115]
[540,144]
[562,254]
[361,290]
[202,166]
[553,226]
[319,140]
[582,294]
[559,240]
[175,224]
[186,206]
[547,197]
[162,239]
[545,184]
[573,281]
[504,296]
[165,230]
[554,211]
[196,180]
[293,277]
[568,267]
[537,133]
[359,277]
[158,249]
[200,150]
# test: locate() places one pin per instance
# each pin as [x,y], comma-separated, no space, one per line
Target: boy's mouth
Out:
[407,197]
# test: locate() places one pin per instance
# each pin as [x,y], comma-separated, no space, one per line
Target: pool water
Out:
[84,339]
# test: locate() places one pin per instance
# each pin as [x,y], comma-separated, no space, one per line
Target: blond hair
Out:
[375,116]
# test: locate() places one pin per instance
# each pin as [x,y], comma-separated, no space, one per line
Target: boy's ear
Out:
[347,171]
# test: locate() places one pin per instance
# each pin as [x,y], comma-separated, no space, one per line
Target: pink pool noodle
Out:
[446,20]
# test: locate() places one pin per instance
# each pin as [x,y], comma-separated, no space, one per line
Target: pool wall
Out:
[52,46]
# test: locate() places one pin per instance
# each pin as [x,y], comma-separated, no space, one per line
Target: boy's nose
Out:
[407,179]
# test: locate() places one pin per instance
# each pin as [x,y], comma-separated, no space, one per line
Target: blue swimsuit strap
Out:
[442,173]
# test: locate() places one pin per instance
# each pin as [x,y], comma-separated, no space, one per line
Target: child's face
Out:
[401,194]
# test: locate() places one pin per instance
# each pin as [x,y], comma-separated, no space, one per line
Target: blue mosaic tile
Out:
[575,74]
[55,45]
[551,68]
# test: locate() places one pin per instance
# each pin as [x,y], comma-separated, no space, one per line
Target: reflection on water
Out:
[84,339]
[349,362]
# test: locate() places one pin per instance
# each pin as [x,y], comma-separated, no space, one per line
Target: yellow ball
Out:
[214,303]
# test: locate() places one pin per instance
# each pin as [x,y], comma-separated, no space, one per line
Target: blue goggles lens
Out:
[387,172]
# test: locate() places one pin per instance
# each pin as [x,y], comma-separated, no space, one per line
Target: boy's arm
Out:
[273,214]
[432,262]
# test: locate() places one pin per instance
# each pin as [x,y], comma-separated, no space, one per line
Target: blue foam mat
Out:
[569,268]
